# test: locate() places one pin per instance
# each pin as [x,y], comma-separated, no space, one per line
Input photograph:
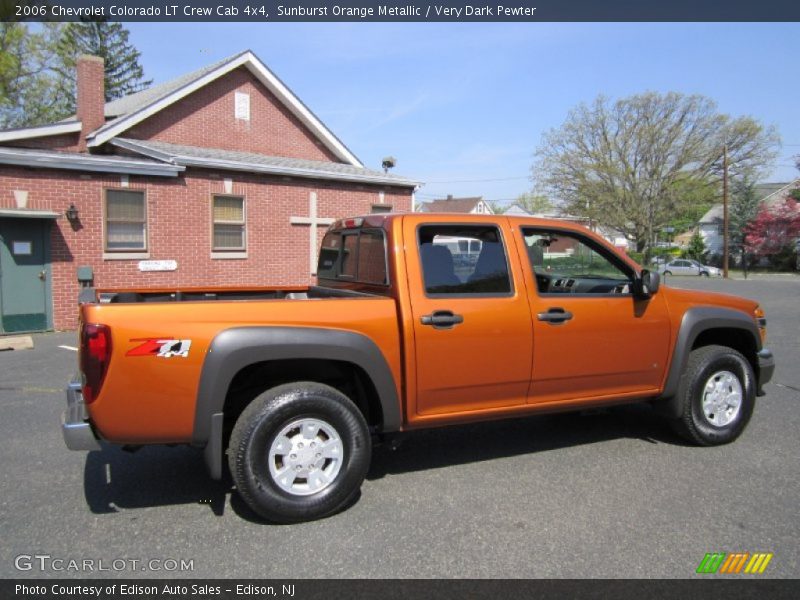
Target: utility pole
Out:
[725,211]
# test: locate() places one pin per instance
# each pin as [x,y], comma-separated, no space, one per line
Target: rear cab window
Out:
[354,256]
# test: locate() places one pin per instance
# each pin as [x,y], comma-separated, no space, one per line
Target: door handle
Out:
[555,316]
[442,319]
[42,275]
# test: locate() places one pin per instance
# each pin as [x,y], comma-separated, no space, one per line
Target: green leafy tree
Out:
[625,164]
[697,247]
[123,72]
[497,207]
[534,203]
[693,199]
[742,211]
[31,82]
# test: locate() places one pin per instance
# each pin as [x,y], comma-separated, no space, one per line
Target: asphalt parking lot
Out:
[611,494]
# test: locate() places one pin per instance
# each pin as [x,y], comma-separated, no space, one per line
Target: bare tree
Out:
[624,164]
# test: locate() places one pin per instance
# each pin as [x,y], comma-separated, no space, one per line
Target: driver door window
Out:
[564,263]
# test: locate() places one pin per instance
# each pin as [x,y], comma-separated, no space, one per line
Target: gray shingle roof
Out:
[252,162]
[137,101]
[452,205]
[714,215]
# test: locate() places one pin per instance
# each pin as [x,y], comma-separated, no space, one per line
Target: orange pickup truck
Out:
[418,320]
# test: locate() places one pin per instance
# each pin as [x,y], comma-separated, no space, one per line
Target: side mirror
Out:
[646,284]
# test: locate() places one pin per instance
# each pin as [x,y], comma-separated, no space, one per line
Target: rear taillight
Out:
[95,354]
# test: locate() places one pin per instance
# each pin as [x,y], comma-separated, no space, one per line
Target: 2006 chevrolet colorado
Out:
[418,320]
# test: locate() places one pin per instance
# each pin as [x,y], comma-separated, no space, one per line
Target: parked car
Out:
[684,266]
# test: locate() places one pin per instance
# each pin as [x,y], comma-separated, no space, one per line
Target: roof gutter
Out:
[80,162]
[25,133]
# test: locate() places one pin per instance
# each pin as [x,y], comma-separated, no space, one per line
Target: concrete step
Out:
[17,342]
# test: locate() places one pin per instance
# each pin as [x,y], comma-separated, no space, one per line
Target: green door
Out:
[24,274]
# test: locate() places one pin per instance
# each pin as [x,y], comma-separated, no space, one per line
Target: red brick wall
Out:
[205,118]
[179,228]
[91,95]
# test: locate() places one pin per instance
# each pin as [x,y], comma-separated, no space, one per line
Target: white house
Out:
[710,224]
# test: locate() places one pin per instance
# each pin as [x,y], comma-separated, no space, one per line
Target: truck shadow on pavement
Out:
[114,479]
[448,446]
[162,476]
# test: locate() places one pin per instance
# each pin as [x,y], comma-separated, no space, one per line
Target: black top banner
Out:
[401,11]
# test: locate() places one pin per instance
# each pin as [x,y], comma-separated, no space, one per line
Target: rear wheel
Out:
[299,452]
[717,392]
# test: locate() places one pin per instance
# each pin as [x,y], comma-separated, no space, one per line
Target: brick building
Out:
[222,177]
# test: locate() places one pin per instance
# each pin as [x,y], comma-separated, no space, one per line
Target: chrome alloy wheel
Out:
[306,456]
[722,398]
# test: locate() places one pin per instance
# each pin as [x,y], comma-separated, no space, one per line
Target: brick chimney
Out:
[91,95]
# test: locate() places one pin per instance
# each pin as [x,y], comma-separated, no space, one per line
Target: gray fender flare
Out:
[695,321]
[236,348]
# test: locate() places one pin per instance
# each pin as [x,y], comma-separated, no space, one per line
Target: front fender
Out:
[695,321]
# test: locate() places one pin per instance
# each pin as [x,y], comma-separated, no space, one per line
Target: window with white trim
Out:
[126,221]
[241,106]
[229,226]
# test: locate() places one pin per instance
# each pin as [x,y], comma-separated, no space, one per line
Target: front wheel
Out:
[717,394]
[667,272]
[299,452]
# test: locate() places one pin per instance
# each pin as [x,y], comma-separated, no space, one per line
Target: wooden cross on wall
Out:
[314,221]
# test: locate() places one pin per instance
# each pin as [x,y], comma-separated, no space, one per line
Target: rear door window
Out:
[464,260]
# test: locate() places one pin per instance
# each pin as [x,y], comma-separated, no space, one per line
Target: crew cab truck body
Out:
[293,384]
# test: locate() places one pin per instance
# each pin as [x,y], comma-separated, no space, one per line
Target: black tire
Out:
[667,272]
[704,274]
[704,363]
[259,426]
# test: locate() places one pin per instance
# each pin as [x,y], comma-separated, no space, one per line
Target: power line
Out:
[478,180]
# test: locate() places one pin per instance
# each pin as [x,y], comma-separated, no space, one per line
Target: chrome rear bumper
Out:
[75,427]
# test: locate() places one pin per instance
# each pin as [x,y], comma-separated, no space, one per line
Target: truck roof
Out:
[384,219]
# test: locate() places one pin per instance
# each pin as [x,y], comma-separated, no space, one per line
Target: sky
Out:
[462,107]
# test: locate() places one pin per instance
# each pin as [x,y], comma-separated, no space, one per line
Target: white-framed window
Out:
[241,106]
[229,227]
[125,221]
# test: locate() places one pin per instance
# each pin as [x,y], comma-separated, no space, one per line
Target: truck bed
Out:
[130,296]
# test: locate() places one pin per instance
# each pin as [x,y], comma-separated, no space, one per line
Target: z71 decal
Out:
[160,348]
